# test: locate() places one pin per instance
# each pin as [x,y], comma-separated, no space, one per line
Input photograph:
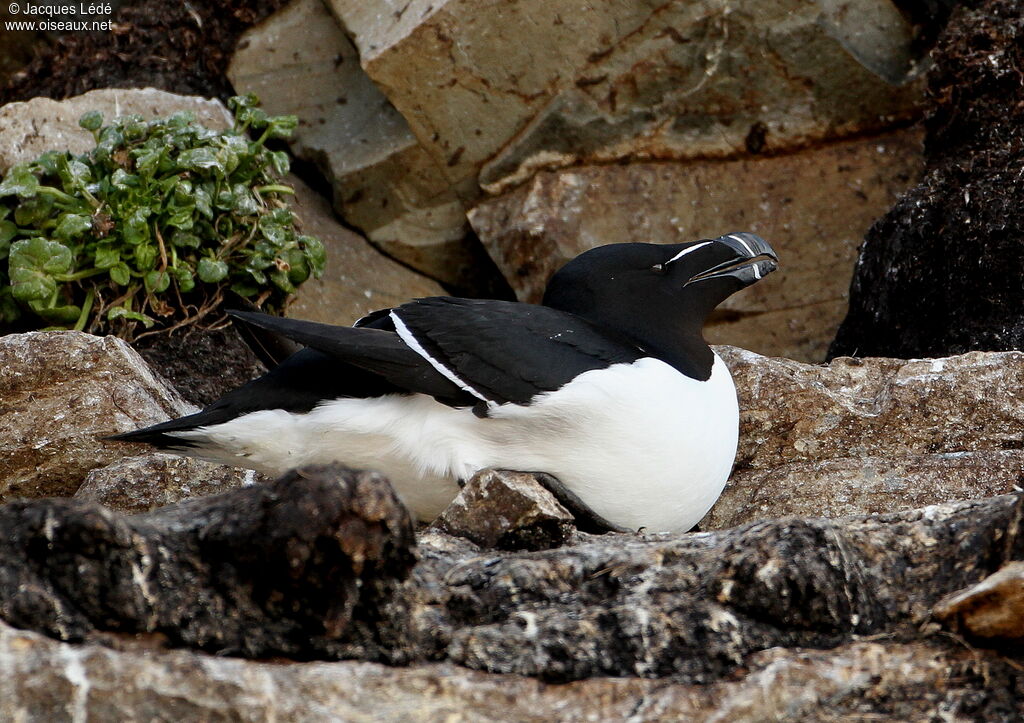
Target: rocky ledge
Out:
[865,560]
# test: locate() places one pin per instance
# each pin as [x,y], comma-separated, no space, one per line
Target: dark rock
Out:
[941,272]
[694,607]
[507,510]
[296,568]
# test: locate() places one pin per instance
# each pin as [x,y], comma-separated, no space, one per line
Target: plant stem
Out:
[275,188]
[90,295]
[79,275]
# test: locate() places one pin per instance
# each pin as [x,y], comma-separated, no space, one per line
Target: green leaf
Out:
[196,159]
[184,278]
[181,119]
[272,232]
[50,161]
[33,264]
[157,281]
[315,253]
[181,218]
[136,228]
[34,211]
[245,200]
[91,121]
[204,202]
[281,281]
[147,160]
[120,274]
[119,312]
[122,180]
[283,126]
[75,174]
[72,225]
[226,200]
[211,270]
[56,315]
[279,162]
[133,126]
[20,182]
[145,257]
[238,102]
[185,239]
[8,230]
[298,266]
[245,288]
[107,256]
[183,192]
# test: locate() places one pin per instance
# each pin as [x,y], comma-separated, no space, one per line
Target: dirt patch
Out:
[202,364]
[179,47]
[941,273]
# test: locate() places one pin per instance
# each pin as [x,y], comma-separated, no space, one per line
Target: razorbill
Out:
[608,385]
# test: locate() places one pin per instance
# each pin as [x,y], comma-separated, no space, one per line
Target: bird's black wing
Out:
[504,351]
[338,362]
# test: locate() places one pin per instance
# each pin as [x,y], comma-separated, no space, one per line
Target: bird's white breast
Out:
[642,444]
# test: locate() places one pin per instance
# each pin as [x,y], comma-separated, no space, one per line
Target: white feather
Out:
[642,444]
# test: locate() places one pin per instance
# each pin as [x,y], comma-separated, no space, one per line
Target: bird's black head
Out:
[659,295]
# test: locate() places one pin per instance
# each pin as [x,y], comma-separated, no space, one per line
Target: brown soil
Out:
[202,364]
[175,46]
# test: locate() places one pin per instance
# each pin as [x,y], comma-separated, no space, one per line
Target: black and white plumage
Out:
[607,385]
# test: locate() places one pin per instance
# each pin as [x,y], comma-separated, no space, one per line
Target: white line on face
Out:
[683,253]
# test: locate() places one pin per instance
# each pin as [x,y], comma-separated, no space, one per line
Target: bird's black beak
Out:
[750,260]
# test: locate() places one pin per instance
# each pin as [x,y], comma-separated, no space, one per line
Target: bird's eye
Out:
[658,268]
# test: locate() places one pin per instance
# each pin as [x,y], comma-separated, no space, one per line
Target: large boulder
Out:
[494,91]
[60,393]
[871,435]
[33,127]
[941,272]
[300,62]
[297,567]
[358,278]
[699,625]
[814,206]
[46,680]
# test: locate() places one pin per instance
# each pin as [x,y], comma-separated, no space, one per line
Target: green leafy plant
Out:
[152,226]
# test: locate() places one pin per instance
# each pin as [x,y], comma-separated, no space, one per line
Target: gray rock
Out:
[297,567]
[814,206]
[312,566]
[496,91]
[43,124]
[60,392]
[45,680]
[138,484]
[876,435]
[300,62]
[358,278]
[506,510]
[878,407]
[864,485]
